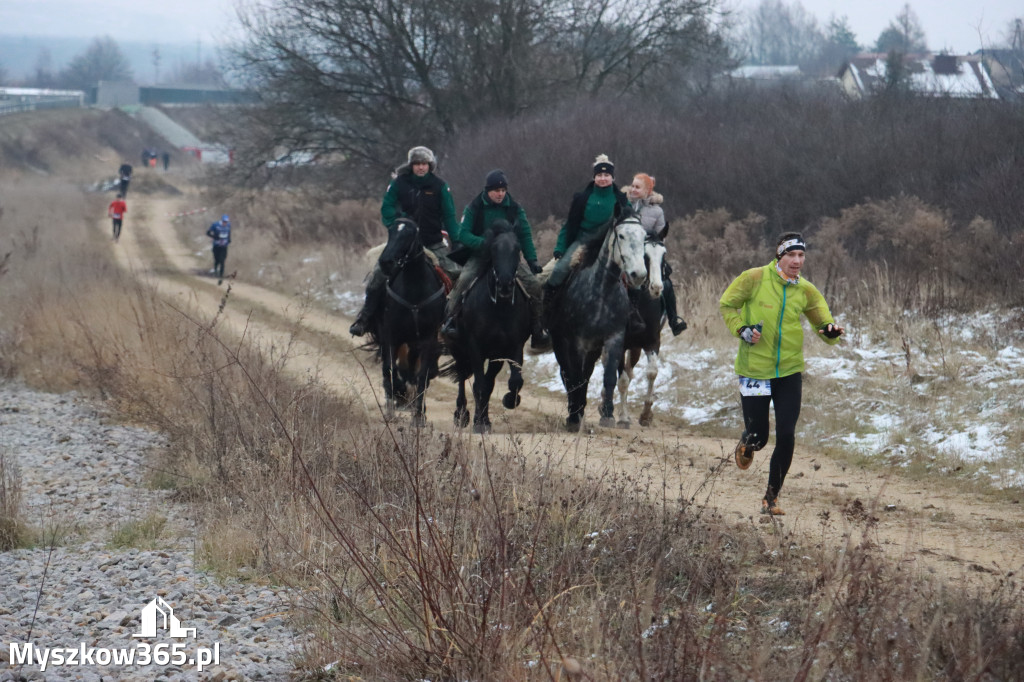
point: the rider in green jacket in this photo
(763, 307)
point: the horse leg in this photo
(647, 415)
(625, 379)
(483, 386)
(575, 377)
(515, 383)
(461, 413)
(612, 356)
(422, 365)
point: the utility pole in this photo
(156, 65)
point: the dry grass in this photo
(422, 556)
(13, 531)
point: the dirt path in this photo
(932, 529)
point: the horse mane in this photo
(588, 252)
(496, 229)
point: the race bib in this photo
(752, 387)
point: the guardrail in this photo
(12, 107)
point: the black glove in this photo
(535, 267)
(831, 331)
(557, 255)
(747, 333)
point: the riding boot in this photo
(541, 339)
(668, 300)
(373, 302)
(449, 331)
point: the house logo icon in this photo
(157, 614)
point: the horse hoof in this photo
(622, 425)
(607, 421)
(647, 421)
(511, 400)
(481, 428)
(461, 419)
(571, 426)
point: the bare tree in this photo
(42, 73)
(780, 33)
(102, 60)
(369, 78)
(903, 34)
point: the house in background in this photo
(929, 75)
(1006, 68)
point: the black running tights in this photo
(786, 396)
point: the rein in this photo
(415, 307)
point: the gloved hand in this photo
(832, 331)
(747, 334)
(535, 267)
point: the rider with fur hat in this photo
(419, 195)
(495, 203)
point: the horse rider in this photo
(600, 201)
(496, 203)
(646, 204)
(419, 195)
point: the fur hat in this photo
(603, 165)
(422, 155)
(495, 180)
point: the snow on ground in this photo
(957, 404)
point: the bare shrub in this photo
(13, 531)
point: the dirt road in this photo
(929, 528)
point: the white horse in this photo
(648, 304)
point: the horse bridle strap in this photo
(415, 307)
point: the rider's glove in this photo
(535, 267)
(558, 254)
(831, 331)
(747, 333)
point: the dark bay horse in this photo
(648, 303)
(495, 325)
(589, 316)
(405, 331)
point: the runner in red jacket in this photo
(116, 212)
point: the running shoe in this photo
(771, 507)
(744, 454)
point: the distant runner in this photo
(116, 212)
(124, 175)
(220, 233)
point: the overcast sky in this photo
(961, 27)
(954, 25)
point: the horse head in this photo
(627, 249)
(654, 253)
(404, 245)
(502, 245)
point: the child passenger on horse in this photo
(419, 195)
(495, 203)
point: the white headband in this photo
(790, 244)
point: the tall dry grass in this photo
(417, 555)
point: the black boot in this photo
(449, 331)
(668, 300)
(374, 299)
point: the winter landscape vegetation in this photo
(222, 446)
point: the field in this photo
(531, 553)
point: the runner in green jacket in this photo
(762, 307)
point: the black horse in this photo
(405, 330)
(494, 327)
(647, 301)
(589, 316)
